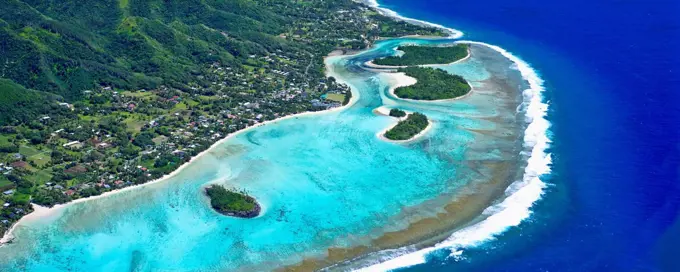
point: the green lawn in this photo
(192, 102)
(40, 159)
(135, 122)
(336, 97)
(145, 95)
(88, 117)
(40, 177)
(5, 138)
(181, 106)
(5, 184)
(28, 151)
(160, 139)
(32, 154)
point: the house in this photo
(103, 145)
(56, 132)
(8, 192)
(131, 106)
(69, 192)
(73, 145)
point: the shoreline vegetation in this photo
(232, 203)
(425, 55)
(43, 212)
(432, 84)
(397, 113)
(414, 124)
(106, 127)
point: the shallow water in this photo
(324, 181)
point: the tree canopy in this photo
(406, 129)
(419, 55)
(433, 84)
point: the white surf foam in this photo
(520, 196)
(453, 33)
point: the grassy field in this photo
(5, 139)
(192, 102)
(143, 95)
(336, 97)
(88, 117)
(181, 106)
(28, 151)
(40, 159)
(40, 177)
(160, 139)
(134, 121)
(5, 184)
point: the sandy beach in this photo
(402, 80)
(370, 63)
(381, 134)
(386, 112)
(41, 212)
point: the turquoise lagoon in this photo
(324, 181)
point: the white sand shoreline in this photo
(402, 80)
(385, 111)
(381, 134)
(370, 63)
(43, 212)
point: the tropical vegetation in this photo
(406, 129)
(397, 113)
(433, 84)
(230, 202)
(102, 95)
(420, 55)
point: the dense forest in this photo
(406, 129)
(420, 55)
(232, 203)
(397, 113)
(101, 95)
(433, 84)
(64, 47)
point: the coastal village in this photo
(113, 138)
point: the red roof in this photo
(19, 164)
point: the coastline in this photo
(515, 203)
(464, 233)
(453, 33)
(43, 212)
(381, 134)
(372, 65)
(384, 111)
(402, 80)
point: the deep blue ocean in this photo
(612, 72)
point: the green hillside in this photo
(65, 47)
(99, 95)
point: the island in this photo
(116, 95)
(414, 124)
(422, 55)
(397, 113)
(432, 84)
(232, 203)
